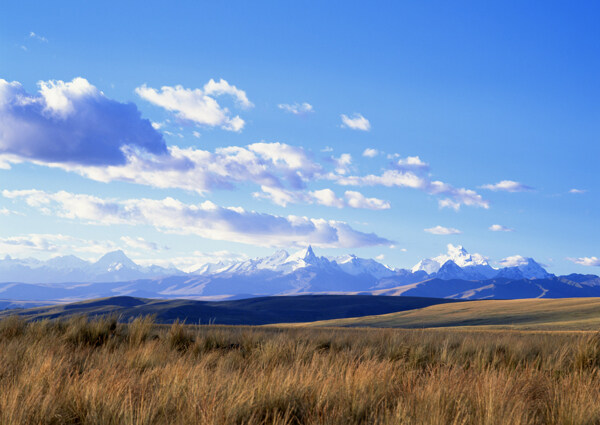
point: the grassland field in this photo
(100, 371)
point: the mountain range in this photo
(456, 274)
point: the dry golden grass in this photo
(103, 372)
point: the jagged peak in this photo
(305, 254)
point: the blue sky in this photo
(449, 100)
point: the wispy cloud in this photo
(206, 219)
(500, 228)
(578, 191)
(38, 37)
(508, 186)
(199, 105)
(139, 243)
(417, 179)
(586, 261)
(440, 230)
(355, 122)
(297, 108)
(47, 243)
(326, 197)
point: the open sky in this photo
(192, 131)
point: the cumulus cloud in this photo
(205, 219)
(411, 162)
(514, 261)
(440, 230)
(500, 228)
(297, 108)
(270, 164)
(586, 261)
(342, 163)
(356, 122)
(199, 105)
(72, 123)
(578, 191)
(370, 153)
(507, 186)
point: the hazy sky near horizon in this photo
(193, 131)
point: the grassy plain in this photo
(529, 314)
(99, 371)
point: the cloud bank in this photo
(205, 219)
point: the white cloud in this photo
(326, 197)
(38, 37)
(500, 228)
(358, 200)
(223, 87)
(356, 122)
(380, 257)
(269, 164)
(507, 186)
(196, 134)
(411, 162)
(342, 163)
(513, 261)
(205, 219)
(297, 108)
(586, 261)
(199, 105)
(327, 149)
(440, 230)
(370, 153)
(39, 243)
(71, 123)
(139, 243)
(578, 191)
(411, 179)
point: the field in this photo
(530, 314)
(100, 371)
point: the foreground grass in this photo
(102, 372)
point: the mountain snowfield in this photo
(456, 274)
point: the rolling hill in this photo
(525, 314)
(250, 311)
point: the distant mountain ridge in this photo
(456, 274)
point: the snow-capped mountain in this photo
(457, 263)
(456, 274)
(112, 267)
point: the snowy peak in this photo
(307, 255)
(355, 266)
(518, 267)
(455, 253)
(114, 261)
